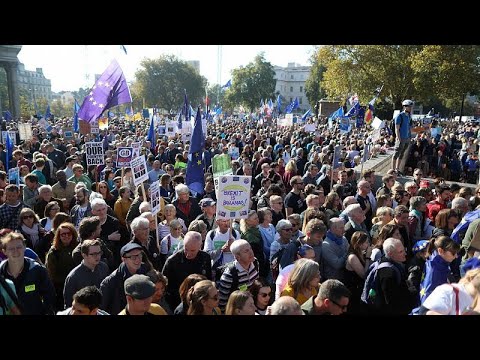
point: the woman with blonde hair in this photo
(59, 260)
(290, 171)
(240, 302)
(383, 216)
(303, 281)
(170, 215)
(203, 299)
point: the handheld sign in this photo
(233, 197)
(155, 197)
(124, 156)
(14, 176)
(94, 151)
(139, 170)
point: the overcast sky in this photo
(67, 65)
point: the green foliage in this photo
(162, 82)
(313, 88)
(251, 83)
(432, 75)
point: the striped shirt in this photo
(245, 278)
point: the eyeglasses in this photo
(100, 253)
(28, 216)
(418, 174)
(134, 257)
(265, 294)
(287, 229)
(343, 307)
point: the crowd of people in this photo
(318, 238)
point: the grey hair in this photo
(416, 201)
(144, 206)
(389, 245)
(146, 214)
(283, 224)
(139, 222)
(459, 202)
(95, 195)
(351, 209)
(286, 305)
(347, 200)
(170, 206)
(237, 246)
(43, 188)
(96, 202)
(182, 189)
(192, 236)
(409, 184)
(336, 222)
(333, 289)
(384, 210)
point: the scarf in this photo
(32, 233)
(336, 239)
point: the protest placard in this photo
(234, 152)
(14, 176)
(155, 197)
(94, 128)
(221, 165)
(68, 133)
(233, 197)
(84, 127)
(94, 152)
(139, 170)
(25, 131)
(124, 156)
(310, 127)
(136, 149)
(171, 128)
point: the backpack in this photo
(234, 271)
(275, 262)
(371, 290)
(393, 126)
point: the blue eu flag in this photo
(195, 172)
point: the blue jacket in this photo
(35, 291)
(436, 273)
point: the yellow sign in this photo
(29, 288)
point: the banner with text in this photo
(139, 169)
(94, 151)
(233, 197)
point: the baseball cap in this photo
(139, 287)
(420, 245)
(129, 247)
(207, 202)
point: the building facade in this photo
(291, 84)
(35, 83)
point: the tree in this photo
(252, 83)
(449, 72)
(362, 68)
(162, 82)
(313, 88)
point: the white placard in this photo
(377, 123)
(94, 152)
(124, 156)
(94, 128)
(25, 131)
(139, 170)
(136, 149)
(233, 197)
(171, 128)
(234, 152)
(310, 127)
(155, 197)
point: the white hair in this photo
(146, 214)
(96, 202)
(43, 188)
(95, 195)
(459, 202)
(182, 189)
(144, 206)
(351, 209)
(237, 246)
(139, 222)
(389, 245)
(336, 222)
(192, 236)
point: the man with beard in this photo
(63, 189)
(82, 208)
